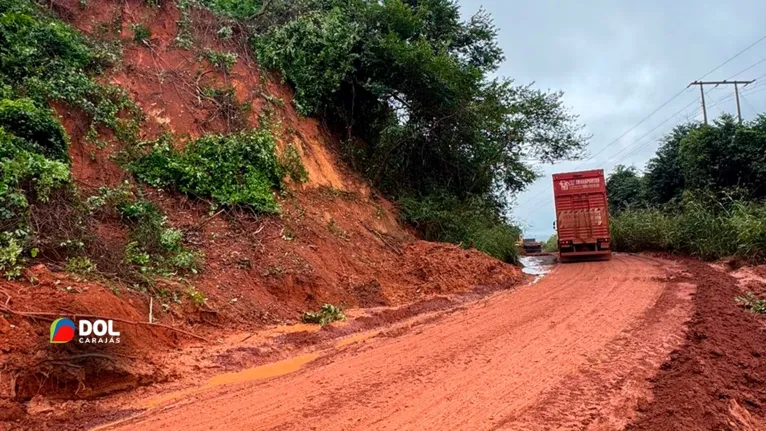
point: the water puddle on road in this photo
(537, 265)
(275, 369)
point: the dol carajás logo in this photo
(62, 331)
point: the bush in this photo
(552, 244)
(24, 176)
(293, 165)
(36, 126)
(153, 248)
(236, 169)
(80, 265)
(221, 60)
(327, 314)
(141, 33)
(471, 224)
(704, 227)
(642, 230)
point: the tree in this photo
(625, 189)
(406, 85)
(664, 177)
(725, 156)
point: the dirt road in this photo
(572, 351)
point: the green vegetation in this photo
(327, 314)
(221, 60)
(702, 194)
(700, 226)
(242, 9)
(153, 248)
(225, 32)
(236, 169)
(293, 165)
(43, 60)
(36, 126)
(80, 265)
(552, 244)
(408, 86)
(19, 168)
(473, 223)
(141, 33)
(750, 301)
(197, 298)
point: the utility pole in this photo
(702, 84)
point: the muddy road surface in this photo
(572, 351)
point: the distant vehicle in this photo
(531, 245)
(582, 215)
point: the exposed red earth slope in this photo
(259, 270)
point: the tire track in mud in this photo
(572, 351)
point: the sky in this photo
(617, 61)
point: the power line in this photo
(750, 67)
(660, 107)
(649, 132)
(534, 200)
(717, 83)
(749, 104)
(733, 57)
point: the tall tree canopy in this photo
(407, 84)
(723, 158)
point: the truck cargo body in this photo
(582, 215)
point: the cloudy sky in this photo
(620, 60)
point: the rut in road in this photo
(571, 352)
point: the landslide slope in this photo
(334, 239)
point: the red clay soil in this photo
(31, 365)
(717, 380)
(335, 241)
(573, 351)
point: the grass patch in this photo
(752, 303)
(327, 314)
(704, 227)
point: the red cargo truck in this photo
(582, 215)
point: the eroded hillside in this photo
(187, 82)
